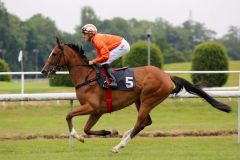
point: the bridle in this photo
(55, 66)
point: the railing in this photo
(170, 72)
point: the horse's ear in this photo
(58, 43)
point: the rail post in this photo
(239, 110)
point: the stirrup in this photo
(105, 84)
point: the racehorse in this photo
(152, 87)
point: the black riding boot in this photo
(113, 83)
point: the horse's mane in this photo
(79, 50)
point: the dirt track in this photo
(142, 134)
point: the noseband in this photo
(55, 66)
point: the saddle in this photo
(124, 77)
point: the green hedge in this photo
(138, 55)
(210, 56)
(4, 68)
(60, 80)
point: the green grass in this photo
(48, 118)
(32, 87)
(178, 148)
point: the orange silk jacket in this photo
(103, 43)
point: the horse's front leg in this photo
(83, 110)
(93, 118)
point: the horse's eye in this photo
(54, 54)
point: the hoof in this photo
(114, 133)
(114, 150)
(81, 139)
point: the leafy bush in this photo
(4, 68)
(138, 55)
(60, 80)
(210, 56)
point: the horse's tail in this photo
(181, 83)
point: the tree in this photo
(210, 56)
(88, 16)
(12, 38)
(117, 26)
(41, 32)
(139, 53)
(197, 32)
(4, 24)
(232, 42)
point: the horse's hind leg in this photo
(93, 118)
(143, 120)
(148, 120)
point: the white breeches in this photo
(118, 52)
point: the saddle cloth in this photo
(124, 76)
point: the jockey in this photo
(108, 48)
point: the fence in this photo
(170, 72)
(215, 92)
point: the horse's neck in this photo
(78, 74)
(77, 68)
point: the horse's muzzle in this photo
(49, 73)
(44, 72)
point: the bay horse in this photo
(152, 87)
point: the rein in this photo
(87, 81)
(80, 65)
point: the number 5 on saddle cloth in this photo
(124, 77)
